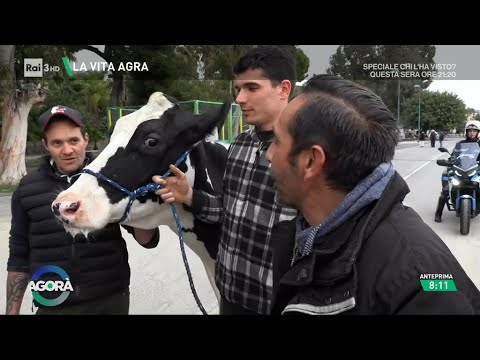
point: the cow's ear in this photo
(172, 99)
(204, 124)
(214, 118)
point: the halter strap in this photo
(143, 190)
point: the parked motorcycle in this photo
(463, 171)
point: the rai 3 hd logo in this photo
(34, 67)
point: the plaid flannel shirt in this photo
(248, 210)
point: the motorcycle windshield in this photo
(466, 155)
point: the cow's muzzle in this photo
(65, 210)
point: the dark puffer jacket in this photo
(97, 266)
(371, 265)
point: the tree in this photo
(167, 64)
(438, 110)
(17, 98)
(114, 54)
(473, 114)
(175, 70)
(215, 63)
(14, 132)
(302, 61)
(95, 92)
(218, 60)
(350, 62)
(89, 93)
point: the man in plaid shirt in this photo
(264, 79)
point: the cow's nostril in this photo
(55, 209)
(65, 209)
(73, 207)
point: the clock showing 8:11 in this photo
(437, 282)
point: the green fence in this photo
(233, 125)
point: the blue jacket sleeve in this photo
(18, 259)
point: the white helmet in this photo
(472, 124)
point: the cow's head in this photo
(143, 144)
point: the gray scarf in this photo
(366, 191)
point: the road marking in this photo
(421, 166)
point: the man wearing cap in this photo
(97, 266)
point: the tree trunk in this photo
(14, 141)
(14, 133)
(6, 57)
(117, 96)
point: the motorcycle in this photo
(463, 171)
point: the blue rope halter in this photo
(143, 190)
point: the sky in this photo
(464, 58)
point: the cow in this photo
(143, 144)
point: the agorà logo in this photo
(36, 285)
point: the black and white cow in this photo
(143, 144)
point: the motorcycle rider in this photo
(472, 130)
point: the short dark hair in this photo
(276, 63)
(355, 128)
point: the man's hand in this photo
(176, 188)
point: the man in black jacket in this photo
(355, 248)
(70, 275)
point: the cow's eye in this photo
(151, 142)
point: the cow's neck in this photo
(148, 216)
